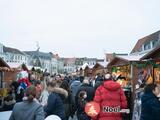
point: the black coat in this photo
(150, 107)
(55, 104)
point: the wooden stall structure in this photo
(125, 69)
(4, 67)
(98, 68)
(87, 71)
(153, 58)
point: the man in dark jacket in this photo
(55, 103)
(150, 103)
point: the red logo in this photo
(92, 109)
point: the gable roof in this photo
(153, 36)
(12, 50)
(126, 59)
(70, 61)
(3, 63)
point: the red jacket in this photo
(110, 96)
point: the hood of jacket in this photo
(111, 85)
(60, 91)
(11, 102)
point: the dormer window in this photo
(154, 43)
(147, 46)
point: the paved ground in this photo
(5, 115)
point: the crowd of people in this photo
(66, 96)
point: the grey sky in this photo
(77, 27)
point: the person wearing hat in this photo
(29, 109)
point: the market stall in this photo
(3, 68)
(98, 68)
(125, 71)
(153, 58)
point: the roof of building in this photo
(39, 54)
(131, 57)
(69, 60)
(12, 50)
(3, 63)
(14, 65)
(148, 55)
(104, 64)
(153, 36)
(128, 58)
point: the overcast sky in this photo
(77, 28)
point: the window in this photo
(154, 43)
(147, 46)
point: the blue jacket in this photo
(150, 107)
(55, 104)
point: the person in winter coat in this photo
(67, 101)
(55, 103)
(18, 96)
(29, 109)
(85, 94)
(150, 103)
(74, 88)
(110, 96)
(9, 103)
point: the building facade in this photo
(13, 55)
(44, 61)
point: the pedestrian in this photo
(111, 99)
(150, 103)
(74, 88)
(85, 94)
(55, 103)
(67, 101)
(15, 92)
(9, 103)
(29, 109)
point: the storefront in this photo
(153, 58)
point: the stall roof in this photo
(126, 59)
(104, 64)
(131, 57)
(14, 65)
(84, 66)
(3, 63)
